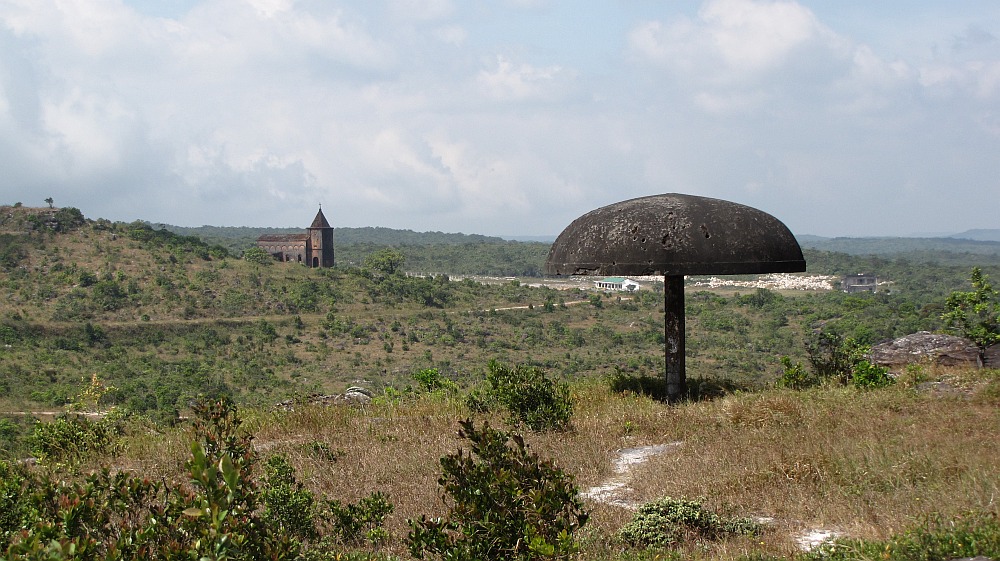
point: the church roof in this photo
(320, 221)
(283, 238)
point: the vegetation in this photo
(975, 315)
(667, 522)
(257, 256)
(529, 397)
(114, 336)
(507, 504)
(973, 534)
(835, 360)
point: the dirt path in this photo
(615, 490)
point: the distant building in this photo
(861, 282)
(312, 249)
(616, 283)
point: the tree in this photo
(386, 261)
(49, 201)
(257, 255)
(68, 218)
(975, 314)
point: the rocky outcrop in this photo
(925, 348)
(352, 396)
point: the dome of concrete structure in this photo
(675, 234)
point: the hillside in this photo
(953, 250)
(456, 254)
(164, 316)
(149, 323)
(982, 234)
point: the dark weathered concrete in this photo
(673, 334)
(675, 235)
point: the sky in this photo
(503, 117)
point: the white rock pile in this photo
(776, 281)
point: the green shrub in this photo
(527, 394)
(670, 522)
(257, 256)
(846, 362)
(795, 376)
(830, 356)
(871, 376)
(14, 506)
(356, 523)
(221, 513)
(70, 439)
(287, 505)
(13, 431)
(431, 380)
(975, 315)
(505, 503)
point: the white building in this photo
(616, 283)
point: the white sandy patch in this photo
(611, 491)
(816, 537)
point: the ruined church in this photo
(312, 249)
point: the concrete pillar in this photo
(673, 325)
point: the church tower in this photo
(320, 242)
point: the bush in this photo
(431, 380)
(14, 507)
(287, 505)
(669, 522)
(868, 376)
(506, 503)
(830, 356)
(843, 360)
(975, 315)
(119, 516)
(362, 521)
(257, 256)
(529, 397)
(794, 376)
(69, 438)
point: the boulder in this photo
(354, 395)
(925, 348)
(992, 359)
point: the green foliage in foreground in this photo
(506, 504)
(224, 512)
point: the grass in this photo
(870, 465)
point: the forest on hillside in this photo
(464, 254)
(165, 316)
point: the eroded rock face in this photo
(925, 348)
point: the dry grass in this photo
(867, 464)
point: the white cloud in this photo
(421, 10)
(750, 35)
(518, 82)
(401, 113)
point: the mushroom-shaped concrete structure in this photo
(675, 235)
